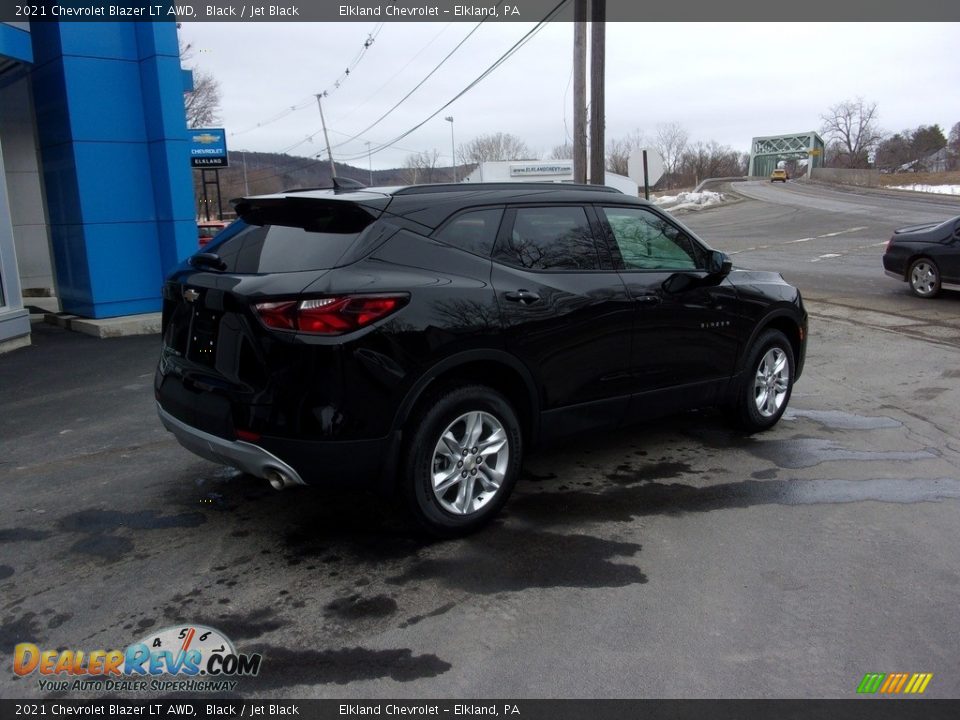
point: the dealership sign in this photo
(208, 148)
(541, 169)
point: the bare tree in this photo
(496, 146)
(953, 147)
(671, 142)
(561, 152)
(619, 151)
(852, 125)
(421, 167)
(710, 159)
(202, 104)
(953, 140)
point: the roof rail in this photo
(516, 186)
(302, 189)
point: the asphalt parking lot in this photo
(672, 560)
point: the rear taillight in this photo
(328, 316)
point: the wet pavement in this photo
(680, 559)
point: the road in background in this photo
(828, 242)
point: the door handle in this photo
(524, 297)
(649, 299)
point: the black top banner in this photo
(502, 709)
(449, 11)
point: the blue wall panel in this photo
(109, 103)
(111, 40)
(50, 104)
(94, 83)
(113, 248)
(60, 182)
(70, 260)
(119, 182)
(15, 43)
(161, 80)
(153, 39)
(45, 39)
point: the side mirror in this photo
(719, 264)
(680, 282)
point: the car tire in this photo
(767, 383)
(462, 461)
(924, 278)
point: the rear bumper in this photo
(349, 464)
(894, 275)
(242, 455)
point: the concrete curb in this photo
(147, 324)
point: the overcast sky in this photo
(726, 82)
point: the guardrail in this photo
(707, 181)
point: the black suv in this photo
(423, 338)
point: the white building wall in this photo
(560, 171)
(21, 167)
(14, 322)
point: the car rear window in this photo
(290, 235)
(474, 231)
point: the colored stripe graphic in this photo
(895, 683)
(870, 683)
(918, 683)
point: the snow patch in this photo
(689, 200)
(940, 189)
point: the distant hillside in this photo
(273, 172)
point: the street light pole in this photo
(370, 162)
(453, 147)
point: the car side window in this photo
(649, 242)
(549, 238)
(474, 231)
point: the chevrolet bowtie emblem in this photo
(190, 295)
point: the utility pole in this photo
(598, 30)
(370, 162)
(243, 159)
(453, 147)
(580, 91)
(333, 170)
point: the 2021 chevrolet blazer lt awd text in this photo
(422, 339)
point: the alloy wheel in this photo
(771, 382)
(923, 278)
(470, 461)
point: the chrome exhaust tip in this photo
(277, 480)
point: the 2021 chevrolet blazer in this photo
(421, 339)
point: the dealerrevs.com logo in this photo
(191, 658)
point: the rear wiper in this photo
(209, 259)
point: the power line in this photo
(309, 138)
(356, 60)
(279, 116)
(393, 77)
(307, 102)
(392, 143)
(502, 59)
(417, 87)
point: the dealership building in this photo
(96, 195)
